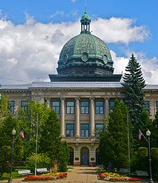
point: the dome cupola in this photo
(85, 23)
(85, 54)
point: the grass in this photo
(6, 176)
(15, 174)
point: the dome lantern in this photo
(85, 23)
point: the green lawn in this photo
(15, 174)
(6, 176)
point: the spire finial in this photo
(85, 5)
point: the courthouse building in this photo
(82, 93)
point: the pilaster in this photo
(92, 116)
(77, 108)
(63, 117)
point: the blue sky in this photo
(54, 13)
(143, 11)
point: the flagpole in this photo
(36, 144)
(129, 155)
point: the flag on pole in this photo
(140, 135)
(22, 134)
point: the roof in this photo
(85, 17)
(71, 85)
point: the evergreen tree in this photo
(114, 142)
(154, 130)
(145, 124)
(134, 94)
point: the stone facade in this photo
(84, 148)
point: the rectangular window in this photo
(70, 107)
(99, 107)
(11, 106)
(84, 107)
(56, 106)
(84, 130)
(156, 105)
(70, 130)
(24, 105)
(111, 105)
(98, 128)
(147, 106)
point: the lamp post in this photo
(36, 145)
(13, 133)
(129, 155)
(148, 133)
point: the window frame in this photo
(70, 109)
(156, 105)
(11, 107)
(71, 130)
(84, 109)
(56, 108)
(24, 108)
(84, 133)
(111, 106)
(98, 130)
(99, 107)
(146, 106)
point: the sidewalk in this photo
(78, 175)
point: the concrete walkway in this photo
(78, 175)
(83, 175)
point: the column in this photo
(63, 117)
(48, 103)
(77, 108)
(106, 107)
(92, 117)
(152, 108)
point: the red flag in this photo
(22, 133)
(140, 134)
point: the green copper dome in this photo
(85, 54)
(85, 17)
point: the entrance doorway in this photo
(98, 162)
(71, 156)
(84, 156)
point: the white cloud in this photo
(63, 14)
(120, 30)
(31, 50)
(149, 66)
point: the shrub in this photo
(154, 154)
(43, 161)
(140, 160)
(63, 157)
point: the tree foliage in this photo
(50, 144)
(134, 94)
(4, 107)
(114, 142)
(63, 156)
(154, 130)
(42, 161)
(30, 120)
(145, 124)
(6, 140)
